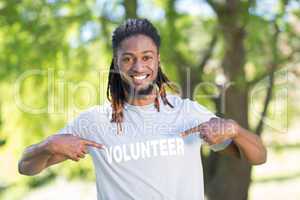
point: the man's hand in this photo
(70, 146)
(215, 130)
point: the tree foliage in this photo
(66, 47)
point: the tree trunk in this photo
(130, 8)
(235, 174)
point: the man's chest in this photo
(149, 136)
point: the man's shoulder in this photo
(101, 110)
(174, 99)
(186, 103)
(177, 100)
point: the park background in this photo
(240, 58)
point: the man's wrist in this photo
(46, 146)
(236, 130)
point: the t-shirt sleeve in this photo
(78, 126)
(204, 116)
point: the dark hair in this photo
(115, 87)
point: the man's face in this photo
(137, 58)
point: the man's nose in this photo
(138, 65)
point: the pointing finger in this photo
(93, 144)
(189, 131)
(202, 128)
(192, 130)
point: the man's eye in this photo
(126, 59)
(145, 58)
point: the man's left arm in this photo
(244, 143)
(247, 144)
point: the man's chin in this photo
(139, 91)
(144, 90)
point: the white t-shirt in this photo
(148, 160)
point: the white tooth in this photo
(140, 77)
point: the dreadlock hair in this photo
(115, 89)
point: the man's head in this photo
(135, 67)
(137, 59)
(136, 56)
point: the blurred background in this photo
(240, 58)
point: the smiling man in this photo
(145, 142)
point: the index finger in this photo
(192, 130)
(93, 144)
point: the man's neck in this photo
(142, 101)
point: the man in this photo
(144, 142)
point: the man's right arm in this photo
(35, 158)
(52, 150)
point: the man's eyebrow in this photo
(127, 53)
(148, 51)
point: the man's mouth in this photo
(140, 77)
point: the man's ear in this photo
(115, 60)
(116, 66)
